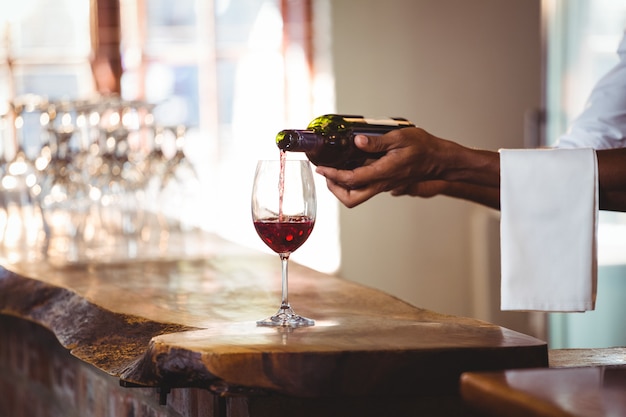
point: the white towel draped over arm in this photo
(549, 210)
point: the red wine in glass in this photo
(284, 234)
(283, 213)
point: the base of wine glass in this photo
(286, 317)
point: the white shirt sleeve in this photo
(602, 124)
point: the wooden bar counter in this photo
(188, 320)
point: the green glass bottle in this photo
(329, 139)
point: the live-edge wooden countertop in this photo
(188, 321)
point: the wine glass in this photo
(283, 212)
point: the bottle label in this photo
(383, 122)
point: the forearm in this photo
(471, 166)
(486, 196)
(470, 174)
(612, 179)
(475, 176)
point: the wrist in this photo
(474, 166)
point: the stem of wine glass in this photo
(284, 260)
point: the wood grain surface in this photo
(189, 320)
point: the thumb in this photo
(371, 144)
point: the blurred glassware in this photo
(64, 196)
(179, 183)
(89, 178)
(22, 228)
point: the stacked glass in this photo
(84, 179)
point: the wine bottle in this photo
(329, 140)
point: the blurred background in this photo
(232, 73)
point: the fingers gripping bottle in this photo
(329, 139)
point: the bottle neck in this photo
(298, 140)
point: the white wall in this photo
(465, 70)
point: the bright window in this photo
(236, 75)
(582, 46)
(234, 72)
(52, 60)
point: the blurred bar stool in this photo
(587, 391)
